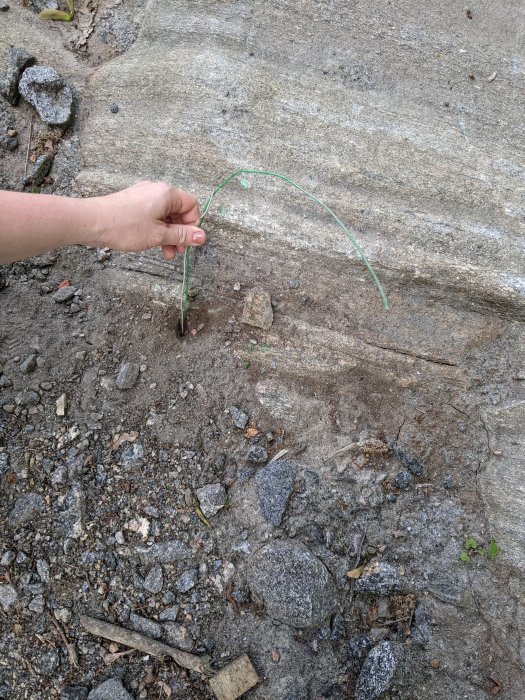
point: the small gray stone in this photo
(64, 294)
(19, 59)
(8, 596)
(294, 585)
(48, 662)
(154, 580)
(257, 310)
(42, 568)
(28, 398)
(169, 614)
(239, 418)
(47, 92)
(274, 485)
(7, 558)
(38, 171)
(164, 552)
(403, 480)
(377, 673)
(5, 382)
(178, 636)
(25, 509)
(37, 604)
(74, 692)
(257, 454)
(28, 365)
(4, 462)
(128, 375)
(379, 578)
(212, 498)
(132, 454)
(114, 108)
(145, 626)
(187, 580)
(110, 690)
(70, 519)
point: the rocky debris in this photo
(403, 481)
(240, 419)
(61, 404)
(377, 672)
(70, 519)
(145, 626)
(19, 60)
(47, 92)
(169, 614)
(110, 690)
(29, 364)
(164, 552)
(8, 596)
(234, 680)
(294, 585)
(212, 498)
(257, 455)
(38, 171)
(132, 455)
(257, 310)
(154, 580)
(187, 580)
(25, 509)
(178, 636)
(409, 462)
(274, 485)
(378, 578)
(48, 662)
(64, 294)
(74, 692)
(127, 375)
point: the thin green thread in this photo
(245, 171)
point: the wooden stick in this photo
(200, 664)
(71, 650)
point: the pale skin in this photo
(147, 215)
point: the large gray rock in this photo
(294, 585)
(47, 91)
(19, 59)
(274, 485)
(25, 509)
(111, 689)
(377, 672)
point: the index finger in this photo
(184, 205)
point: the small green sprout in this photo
(473, 548)
(492, 550)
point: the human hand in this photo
(149, 215)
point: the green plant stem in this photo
(247, 171)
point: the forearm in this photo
(31, 224)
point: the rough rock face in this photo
(377, 672)
(295, 586)
(19, 59)
(46, 90)
(274, 486)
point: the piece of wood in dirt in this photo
(234, 680)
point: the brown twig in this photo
(121, 635)
(71, 650)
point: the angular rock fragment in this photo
(47, 92)
(25, 509)
(234, 680)
(128, 375)
(294, 585)
(257, 310)
(64, 294)
(274, 485)
(19, 60)
(240, 419)
(379, 578)
(38, 172)
(70, 520)
(212, 498)
(186, 581)
(110, 690)
(154, 580)
(377, 672)
(8, 596)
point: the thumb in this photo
(183, 235)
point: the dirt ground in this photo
(115, 479)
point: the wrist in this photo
(90, 229)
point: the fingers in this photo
(181, 236)
(184, 205)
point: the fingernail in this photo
(198, 237)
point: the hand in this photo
(149, 215)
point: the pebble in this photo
(448, 482)
(28, 365)
(212, 498)
(114, 108)
(48, 662)
(19, 59)
(25, 509)
(70, 520)
(42, 568)
(37, 604)
(187, 580)
(257, 310)
(145, 626)
(7, 558)
(178, 636)
(4, 8)
(257, 454)
(74, 692)
(403, 480)
(164, 552)
(39, 170)
(377, 673)
(28, 398)
(239, 418)
(274, 485)
(110, 690)
(154, 580)
(169, 614)
(379, 578)
(127, 375)
(237, 287)
(61, 405)
(294, 585)
(132, 454)
(63, 294)
(8, 596)
(47, 92)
